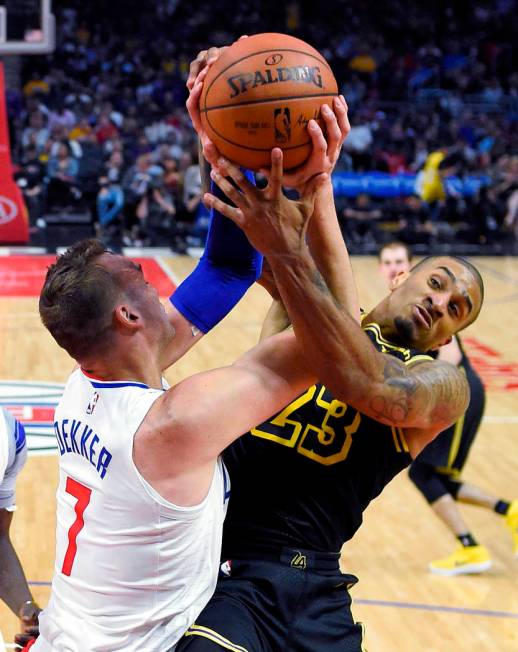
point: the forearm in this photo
(330, 253)
(228, 267)
(336, 348)
(276, 320)
(14, 590)
(431, 395)
(230, 401)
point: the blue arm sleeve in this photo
(228, 267)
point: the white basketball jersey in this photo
(133, 571)
(13, 454)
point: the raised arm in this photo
(186, 429)
(330, 254)
(324, 235)
(329, 251)
(229, 265)
(428, 396)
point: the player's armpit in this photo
(429, 395)
(194, 421)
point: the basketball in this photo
(260, 94)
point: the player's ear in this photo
(398, 279)
(126, 317)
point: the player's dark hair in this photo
(77, 299)
(396, 244)
(469, 266)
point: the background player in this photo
(14, 590)
(436, 472)
(326, 456)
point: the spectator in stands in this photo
(30, 179)
(61, 117)
(36, 134)
(110, 205)
(114, 166)
(60, 135)
(191, 186)
(91, 167)
(358, 145)
(415, 225)
(62, 171)
(106, 129)
(408, 97)
(156, 212)
(172, 177)
(360, 221)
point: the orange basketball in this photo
(260, 94)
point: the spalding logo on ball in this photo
(260, 94)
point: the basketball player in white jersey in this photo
(142, 493)
(14, 590)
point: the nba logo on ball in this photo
(282, 122)
(260, 94)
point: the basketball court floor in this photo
(404, 608)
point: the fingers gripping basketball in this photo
(260, 94)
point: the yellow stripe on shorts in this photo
(211, 635)
(363, 649)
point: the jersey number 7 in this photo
(83, 495)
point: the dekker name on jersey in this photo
(75, 436)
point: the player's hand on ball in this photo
(326, 148)
(210, 151)
(274, 224)
(197, 72)
(203, 61)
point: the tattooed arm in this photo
(329, 250)
(437, 388)
(428, 397)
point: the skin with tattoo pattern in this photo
(440, 297)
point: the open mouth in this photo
(422, 316)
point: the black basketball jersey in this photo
(304, 477)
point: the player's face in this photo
(434, 302)
(142, 296)
(392, 261)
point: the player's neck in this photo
(378, 315)
(117, 366)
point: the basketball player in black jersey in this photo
(302, 479)
(436, 471)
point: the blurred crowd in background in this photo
(100, 126)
